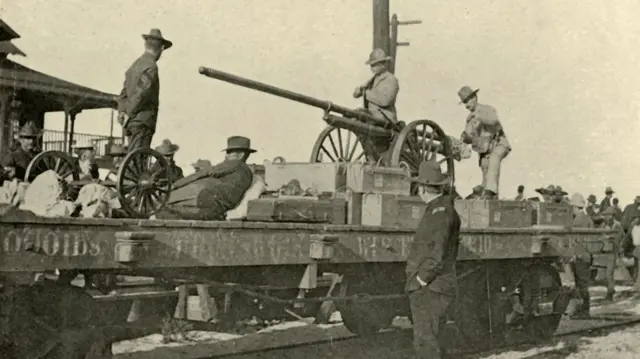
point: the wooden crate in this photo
(366, 178)
(494, 213)
(354, 206)
(383, 209)
(324, 177)
(298, 209)
(552, 214)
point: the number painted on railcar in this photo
(50, 243)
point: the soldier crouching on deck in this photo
(484, 132)
(431, 264)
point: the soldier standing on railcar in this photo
(431, 264)
(580, 265)
(140, 96)
(484, 132)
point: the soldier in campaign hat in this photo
(140, 96)
(168, 150)
(15, 163)
(484, 132)
(209, 193)
(580, 266)
(610, 222)
(87, 162)
(431, 279)
(117, 153)
(381, 90)
(606, 201)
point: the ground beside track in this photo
(395, 341)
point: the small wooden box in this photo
(550, 214)
(298, 209)
(324, 177)
(367, 178)
(494, 213)
(383, 209)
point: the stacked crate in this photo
(552, 214)
(324, 180)
(379, 196)
(478, 213)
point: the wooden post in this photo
(66, 130)
(71, 131)
(381, 25)
(5, 122)
(207, 307)
(183, 302)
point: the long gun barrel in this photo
(293, 96)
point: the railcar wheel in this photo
(543, 300)
(420, 141)
(60, 162)
(366, 317)
(339, 145)
(144, 182)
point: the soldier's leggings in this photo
(140, 136)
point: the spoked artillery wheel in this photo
(419, 141)
(60, 162)
(339, 145)
(144, 182)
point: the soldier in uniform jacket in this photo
(580, 265)
(431, 264)
(381, 91)
(168, 150)
(140, 96)
(609, 222)
(209, 193)
(485, 133)
(15, 163)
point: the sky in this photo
(563, 75)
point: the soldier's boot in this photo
(609, 297)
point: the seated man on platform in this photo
(209, 194)
(15, 163)
(87, 163)
(381, 90)
(168, 150)
(117, 154)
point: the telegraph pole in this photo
(385, 32)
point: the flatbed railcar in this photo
(502, 273)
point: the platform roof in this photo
(51, 92)
(6, 32)
(9, 48)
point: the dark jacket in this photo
(140, 95)
(435, 248)
(19, 159)
(220, 189)
(605, 203)
(630, 213)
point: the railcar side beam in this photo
(38, 244)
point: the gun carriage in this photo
(358, 136)
(143, 182)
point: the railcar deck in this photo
(30, 243)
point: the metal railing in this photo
(54, 141)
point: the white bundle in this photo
(43, 196)
(257, 188)
(97, 201)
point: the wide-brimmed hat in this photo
(637, 199)
(591, 198)
(577, 200)
(29, 130)
(239, 143)
(609, 190)
(117, 150)
(80, 149)
(477, 189)
(202, 164)
(558, 191)
(156, 34)
(465, 93)
(167, 148)
(430, 174)
(610, 211)
(376, 56)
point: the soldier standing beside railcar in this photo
(610, 222)
(484, 132)
(140, 96)
(580, 265)
(431, 264)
